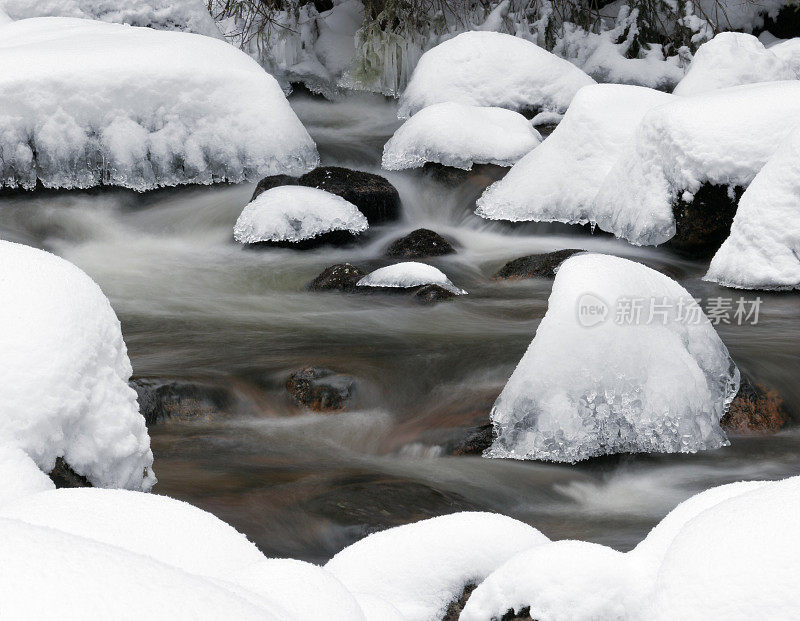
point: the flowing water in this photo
(195, 306)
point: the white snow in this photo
(408, 274)
(597, 379)
(458, 135)
(296, 213)
(65, 372)
(730, 59)
(789, 52)
(420, 568)
(20, 476)
(4, 17)
(558, 180)
(492, 69)
(87, 102)
(763, 249)
(721, 137)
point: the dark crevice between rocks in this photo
(331, 238)
(64, 476)
(704, 223)
(456, 607)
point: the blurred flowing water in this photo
(195, 306)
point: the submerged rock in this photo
(535, 265)
(476, 442)
(161, 400)
(339, 277)
(320, 389)
(418, 244)
(63, 475)
(431, 294)
(703, 224)
(755, 409)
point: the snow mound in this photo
(152, 109)
(598, 379)
(789, 52)
(20, 476)
(65, 372)
(492, 69)
(557, 181)
(562, 580)
(294, 213)
(763, 250)
(420, 568)
(723, 137)
(408, 274)
(186, 15)
(730, 59)
(457, 135)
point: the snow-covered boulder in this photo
(789, 52)
(5, 18)
(557, 181)
(408, 274)
(420, 568)
(722, 137)
(296, 214)
(601, 377)
(763, 250)
(88, 103)
(730, 59)
(492, 69)
(458, 135)
(20, 476)
(65, 373)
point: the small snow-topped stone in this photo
(408, 274)
(458, 135)
(492, 69)
(294, 214)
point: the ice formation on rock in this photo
(153, 108)
(601, 377)
(408, 274)
(294, 214)
(558, 180)
(458, 135)
(65, 372)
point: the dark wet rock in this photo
(703, 224)
(339, 277)
(275, 181)
(524, 614)
(756, 409)
(331, 238)
(535, 265)
(320, 389)
(456, 607)
(476, 442)
(431, 294)
(418, 244)
(64, 476)
(161, 400)
(446, 175)
(374, 196)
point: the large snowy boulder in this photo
(492, 69)
(87, 103)
(420, 568)
(65, 373)
(723, 137)
(557, 181)
(458, 135)
(763, 250)
(602, 377)
(407, 275)
(730, 59)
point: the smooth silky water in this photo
(195, 306)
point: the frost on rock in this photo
(420, 568)
(492, 69)
(597, 380)
(153, 109)
(557, 181)
(789, 52)
(20, 476)
(408, 274)
(722, 137)
(65, 372)
(457, 135)
(763, 250)
(294, 214)
(730, 59)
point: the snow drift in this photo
(408, 274)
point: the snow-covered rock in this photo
(294, 213)
(763, 250)
(557, 181)
(88, 103)
(458, 135)
(492, 69)
(420, 568)
(789, 52)
(722, 137)
(20, 476)
(65, 373)
(5, 18)
(599, 378)
(408, 274)
(730, 59)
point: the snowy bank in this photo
(65, 372)
(457, 135)
(408, 274)
(90, 103)
(600, 378)
(557, 181)
(492, 69)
